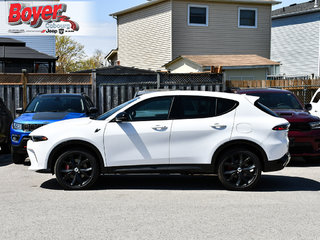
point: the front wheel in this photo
(17, 158)
(239, 169)
(76, 170)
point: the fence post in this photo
(224, 82)
(158, 80)
(24, 80)
(94, 86)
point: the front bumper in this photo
(276, 165)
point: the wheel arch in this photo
(59, 149)
(254, 147)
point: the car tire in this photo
(239, 169)
(76, 169)
(18, 158)
(6, 148)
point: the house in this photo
(154, 33)
(295, 38)
(15, 56)
(235, 67)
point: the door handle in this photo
(219, 126)
(160, 128)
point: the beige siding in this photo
(246, 74)
(183, 66)
(144, 37)
(222, 36)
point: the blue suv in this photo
(42, 110)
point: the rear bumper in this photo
(278, 164)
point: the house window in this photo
(198, 15)
(247, 18)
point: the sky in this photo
(105, 37)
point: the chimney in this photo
(316, 3)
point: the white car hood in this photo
(61, 126)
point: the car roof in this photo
(260, 90)
(232, 96)
(59, 94)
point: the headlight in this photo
(38, 138)
(17, 126)
(314, 125)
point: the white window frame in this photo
(207, 15)
(256, 15)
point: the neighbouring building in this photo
(235, 67)
(15, 56)
(154, 33)
(295, 38)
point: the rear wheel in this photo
(76, 170)
(239, 169)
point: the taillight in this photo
(283, 127)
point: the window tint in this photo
(198, 15)
(316, 98)
(225, 105)
(58, 103)
(247, 17)
(151, 109)
(189, 107)
(278, 100)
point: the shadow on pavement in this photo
(5, 159)
(268, 183)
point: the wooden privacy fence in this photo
(106, 90)
(17, 90)
(116, 89)
(304, 89)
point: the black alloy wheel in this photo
(76, 170)
(239, 169)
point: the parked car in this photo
(315, 104)
(42, 110)
(5, 122)
(171, 132)
(304, 131)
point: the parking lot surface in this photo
(285, 205)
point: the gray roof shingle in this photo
(295, 9)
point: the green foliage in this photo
(72, 57)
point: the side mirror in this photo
(122, 117)
(308, 106)
(19, 110)
(93, 110)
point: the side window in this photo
(225, 105)
(151, 109)
(189, 107)
(247, 18)
(316, 98)
(198, 15)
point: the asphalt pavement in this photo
(285, 205)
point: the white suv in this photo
(173, 132)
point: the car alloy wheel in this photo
(239, 169)
(76, 169)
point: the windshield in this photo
(278, 100)
(112, 111)
(58, 103)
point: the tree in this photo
(96, 61)
(70, 54)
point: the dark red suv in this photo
(304, 131)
